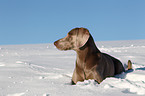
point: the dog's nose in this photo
(55, 43)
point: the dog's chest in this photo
(88, 74)
(86, 68)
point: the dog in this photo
(91, 63)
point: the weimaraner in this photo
(90, 63)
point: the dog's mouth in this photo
(60, 47)
(63, 48)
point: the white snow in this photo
(42, 70)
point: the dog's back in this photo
(117, 65)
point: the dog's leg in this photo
(98, 77)
(76, 77)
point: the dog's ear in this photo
(82, 37)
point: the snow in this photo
(42, 70)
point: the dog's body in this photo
(90, 63)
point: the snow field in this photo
(42, 70)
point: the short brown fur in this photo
(90, 63)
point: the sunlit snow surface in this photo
(42, 70)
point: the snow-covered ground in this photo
(42, 70)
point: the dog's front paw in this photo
(72, 83)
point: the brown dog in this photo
(90, 63)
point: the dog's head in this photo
(75, 39)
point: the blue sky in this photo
(44, 21)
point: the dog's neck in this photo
(89, 49)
